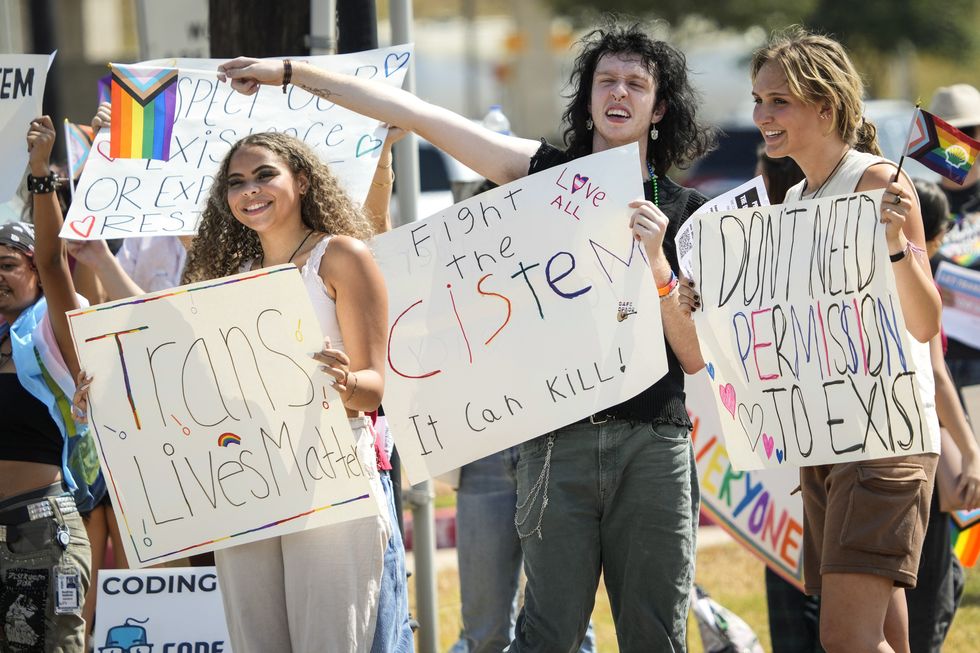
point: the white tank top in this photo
(844, 181)
(324, 306)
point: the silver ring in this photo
(898, 200)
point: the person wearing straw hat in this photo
(959, 105)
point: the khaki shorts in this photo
(866, 517)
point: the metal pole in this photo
(323, 26)
(419, 497)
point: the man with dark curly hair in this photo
(615, 493)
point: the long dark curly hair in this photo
(223, 243)
(682, 138)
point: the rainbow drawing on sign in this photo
(227, 439)
(143, 112)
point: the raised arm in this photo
(378, 200)
(50, 256)
(96, 256)
(497, 157)
(900, 212)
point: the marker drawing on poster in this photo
(214, 425)
(118, 198)
(518, 311)
(759, 509)
(803, 327)
(960, 288)
(22, 80)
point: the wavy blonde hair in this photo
(818, 70)
(223, 244)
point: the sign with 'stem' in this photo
(517, 312)
(120, 198)
(803, 335)
(214, 425)
(161, 610)
(22, 80)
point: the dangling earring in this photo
(588, 124)
(654, 134)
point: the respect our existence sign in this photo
(518, 311)
(214, 425)
(803, 334)
(119, 198)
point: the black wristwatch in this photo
(42, 185)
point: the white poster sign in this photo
(117, 198)
(215, 427)
(960, 288)
(803, 334)
(174, 610)
(518, 311)
(22, 79)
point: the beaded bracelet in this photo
(42, 185)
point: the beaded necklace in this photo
(656, 189)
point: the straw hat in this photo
(959, 105)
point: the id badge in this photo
(67, 590)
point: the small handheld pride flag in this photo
(78, 142)
(941, 147)
(143, 106)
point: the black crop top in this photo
(27, 432)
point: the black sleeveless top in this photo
(27, 432)
(662, 402)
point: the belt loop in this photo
(3, 533)
(596, 422)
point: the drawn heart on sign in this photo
(727, 394)
(105, 156)
(578, 182)
(768, 444)
(371, 144)
(748, 421)
(779, 455)
(397, 60)
(88, 221)
(711, 370)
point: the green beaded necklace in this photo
(656, 189)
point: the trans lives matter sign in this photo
(214, 425)
(119, 198)
(803, 334)
(517, 312)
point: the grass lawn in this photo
(734, 578)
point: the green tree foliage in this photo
(949, 28)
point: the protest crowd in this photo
(258, 297)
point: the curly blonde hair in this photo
(223, 244)
(817, 70)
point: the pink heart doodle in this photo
(727, 393)
(768, 444)
(102, 147)
(578, 182)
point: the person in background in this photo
(959, 105)
(47, 461)
(933, 602)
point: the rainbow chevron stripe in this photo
(941, 147)
(143, 106)
(966, 545)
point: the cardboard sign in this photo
(175, 610)
(803, 333)
(517, 312)
(214, 425)
(118, 198)
(960, 288)
(22, 79)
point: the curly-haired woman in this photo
(334, 588)
(622, 497)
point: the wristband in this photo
(287, 73)
(42, 185)
(668, 288)
(895, 258)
